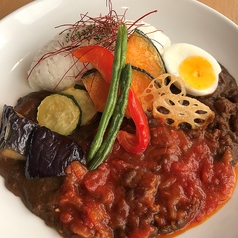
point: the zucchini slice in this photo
(60, 113)
(84, 101)
(143, 54)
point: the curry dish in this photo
(181, 178)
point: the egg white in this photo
(174, 55)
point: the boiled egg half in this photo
(198, 69)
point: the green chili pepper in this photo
(118, 64)
(116, 120)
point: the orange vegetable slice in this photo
(98, 88)
(142, 53)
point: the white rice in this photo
(59, 70)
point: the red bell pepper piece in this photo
(102, 59)
(135, 143)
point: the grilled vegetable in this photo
(50, 153)
(116, 120)
(47, 153)
(117, 65)
(98, 88)
(84, 101)
(15, 134)
(140, 80)
(142, 53)
(102, 59)
(59, 113)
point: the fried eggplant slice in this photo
(50, 153)
(15, 133)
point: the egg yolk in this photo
(197, 72)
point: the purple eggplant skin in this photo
(15, 131)
(50, 153)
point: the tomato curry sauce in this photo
(174, 183)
